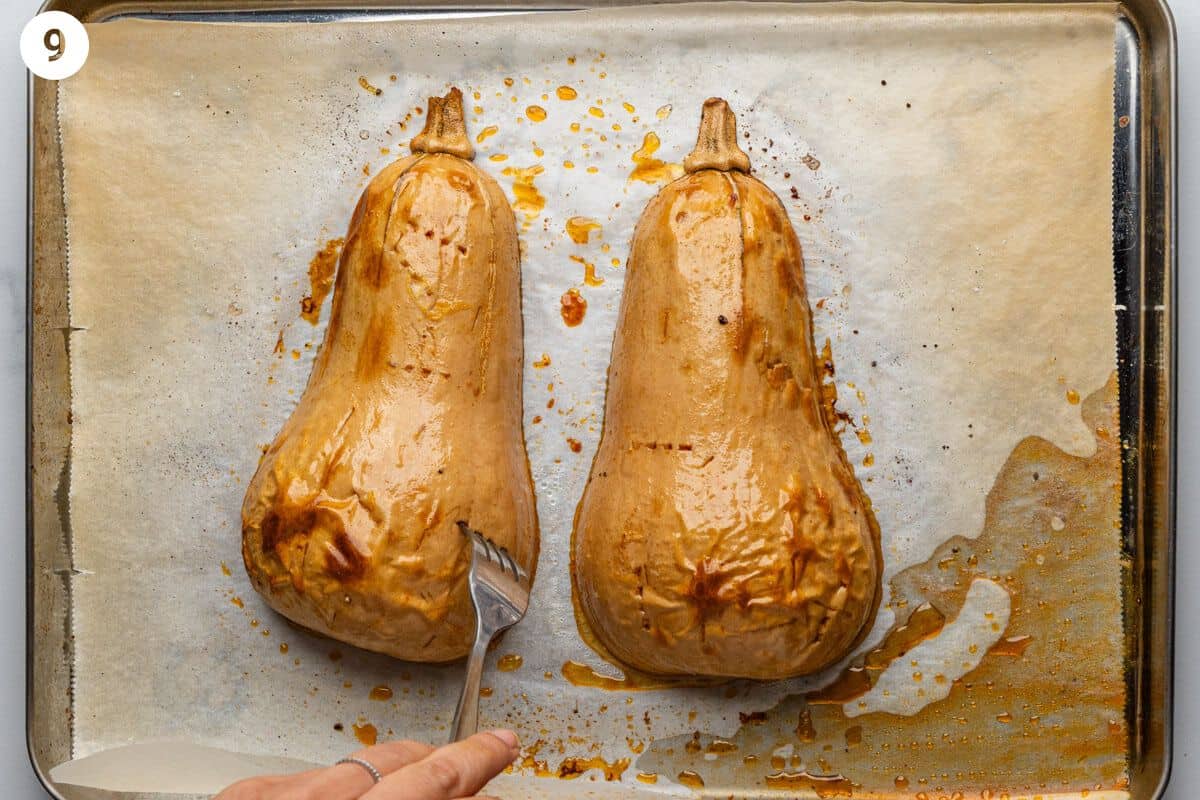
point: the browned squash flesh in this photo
(411, 419)
(722, 531)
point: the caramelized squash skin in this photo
(411, 419)
(722, 531)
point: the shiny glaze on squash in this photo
(722, 531)
(411, 419)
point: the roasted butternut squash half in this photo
(722, 531)
(411, 419)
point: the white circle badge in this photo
(54, 45)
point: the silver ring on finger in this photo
(375, 774)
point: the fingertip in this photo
(459, 769)
(509, 738)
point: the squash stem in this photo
(716, 144)
(445, 128)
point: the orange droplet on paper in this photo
(366, 734)
(580, 228)
(573, 309)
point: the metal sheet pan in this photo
(1144, 260)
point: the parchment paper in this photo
(947, 170)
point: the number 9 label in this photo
(54, 45)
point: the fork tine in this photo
(468, 534)
(477, 543)
(511, 565)
(493, 552)
(502, 556)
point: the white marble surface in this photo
(16, 778)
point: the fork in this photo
(500, 594)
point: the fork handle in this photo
(466, 715)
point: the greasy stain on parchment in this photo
(320, 279)
(527, 200)
(569, 768)
(1043, 712)
(649, 169)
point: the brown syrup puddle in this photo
(821, 785)
(570, 767)
(1043, 712)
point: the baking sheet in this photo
(951, 188)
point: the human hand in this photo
(410, 770)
